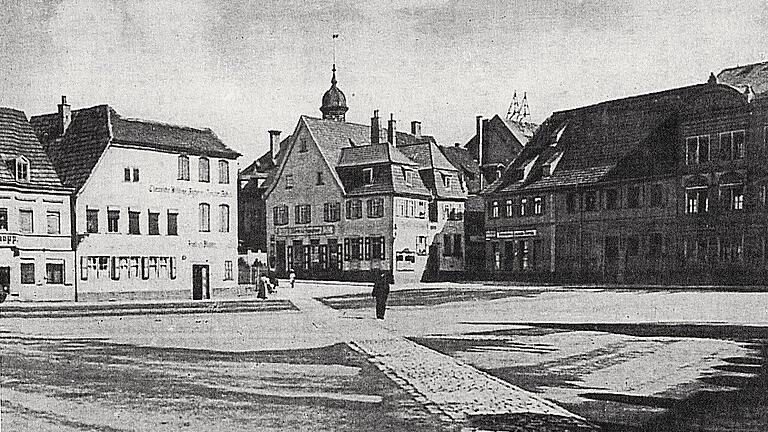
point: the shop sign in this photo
(490, 235)
(516, 234)
(306, 230)
(7, 240)
(188, 191)
(205, 244)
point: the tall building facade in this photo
(666, 187)
(154, 205)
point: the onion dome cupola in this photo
(334, 102)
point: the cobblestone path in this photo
(456, 391)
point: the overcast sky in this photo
(242, 67)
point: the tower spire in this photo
(333, 78)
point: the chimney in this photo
(479, 136)
(274, 143)
(457, 145)
(65, 115)
(392, 130)
(416, 129)
(375, 127)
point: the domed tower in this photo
(334, 102)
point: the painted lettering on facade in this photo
(306, 230)
(510, 234)
(7, 240)
(202, 244)
(189, 191)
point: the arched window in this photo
(183, 167)
(205, 217)
(205, 169)
(732, 191)
(22, 169)
(223, 218)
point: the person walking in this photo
(292, 278)
(380, 293)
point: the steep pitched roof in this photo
(595, 139)
(373, 154)
(462, 159)
(18, 139)
(91, 130)
(515, 133)
(754, 75)
(427, 155)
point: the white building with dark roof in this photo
(36, 257)
(155, 205)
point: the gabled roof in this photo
(91, 130)
(515, 133)
(17, 138)
(522, 130)
(462, 159)
(427, 155)
(596, 139)
(754, 75)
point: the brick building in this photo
(152, 204)
(36, 257)
(345, 199)
(661, 187)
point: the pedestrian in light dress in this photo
(380, 293)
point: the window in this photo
(303, 145)
(53, 222)
(446, 181)
(356, 249)
(205, 217)
(228, 270)
(633, 196)
(447, 245)
(135, 174)
(354, 209)
(733, 197)
(377, 248)
(224, 218)
(113, 219)
(54, 273)
(303, 214)
(173, 223)
(223, 172)
(280, 215)
(289, 181)
(408, 175)
(91, 220)
(154, 223)
(538, 206)
(4, 219)
(494, 210)
(732, 145)
(127, 174)
(204, 170)
(657, 195)
(523, 206)
(421, 245)
(133, 222)
(697, 200)
(28, 273)
(26, 224)
(697, 149)
(509, 208)
(590, 201)
(332, 212)
(183, 167)
(367, 176)
(611, 199)
(319, 178)
(22, 169)
(375, 207)
(570, 203)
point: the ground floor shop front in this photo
(36, 274)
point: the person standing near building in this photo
(380, 293)
(292, 278)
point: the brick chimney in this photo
(416, 129)
(274, 143)
(392, 130)
(375, 128)
(65, 115)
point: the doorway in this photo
(200, 289)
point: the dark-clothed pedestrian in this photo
(260, 283)
(380, 293)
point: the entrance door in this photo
(200, 289)
(5, 277)
(611, 257)
(279, 263)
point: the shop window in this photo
(53, 222)
(205, 217)
(27, 273)
(113, 221)
(375, 207)
(26, 221)
(223, 172)
(204, 170)
(173, 223)
(134, 226)
(153, 221)
(224, 218)
(183, 167)
(91, 220)
(228, 271)
(332, 212)
(4, 219)
(405, 260)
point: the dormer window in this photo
(22, 169)
(368, 176)
(447, 181)
(408, 174)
